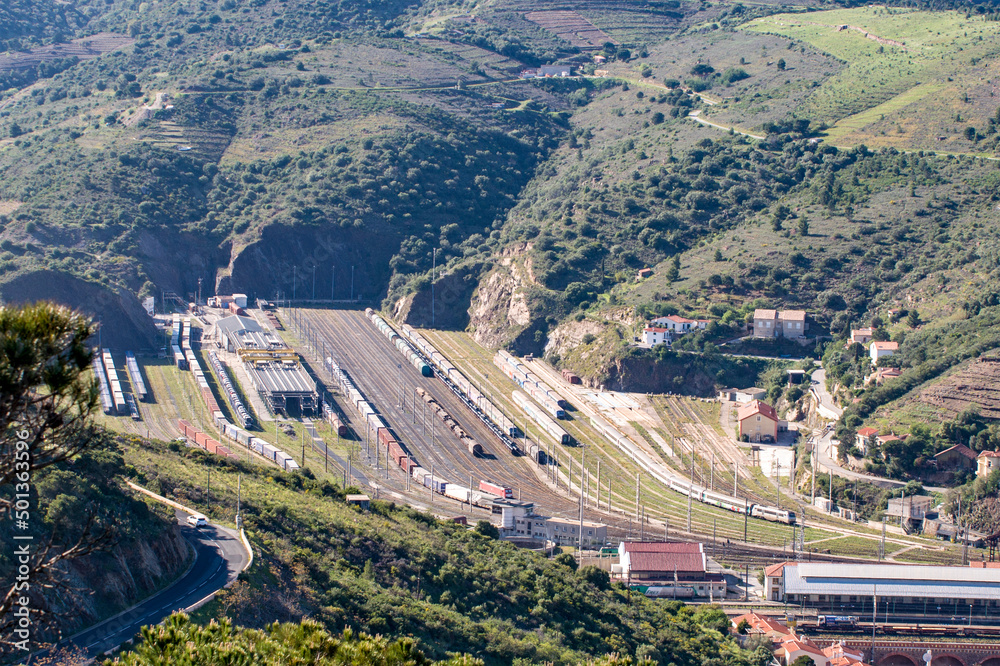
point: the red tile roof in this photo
(756, 407)
(667, 563)
(867, 432)
(776, 569)
(662, 547)
(765, 314)
(680, 320)
(886, 346)
(762, 624)
(960, 449)
(665, 557)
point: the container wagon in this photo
(570, 377)
(107, 405)
(135, 376)
(401, 344)
(550, 427)
(334, 420)
(471, 445)
(240, 411)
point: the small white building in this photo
(678, 325)
(654, 335)
(882, 349)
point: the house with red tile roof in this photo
(880, 349)
(986, 462)
(863, 439)
(758, 422)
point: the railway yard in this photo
(680, 437)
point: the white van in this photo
(197, 520)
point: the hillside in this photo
(832, 160)
(398, 572)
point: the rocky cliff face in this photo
(119, 578)
(500, 311)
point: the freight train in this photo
(503, 427)
(402, 457)
(402, 345)
(138, 385)
(474, 447)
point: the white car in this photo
(197, 520)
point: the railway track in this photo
(379, 371)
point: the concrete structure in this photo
(958, 458)
(861, 336)
(986, 462)
(758, 422)
(555, 70)
(775, 324)
(901, 589)
(644, 273)
(774, 581)
(911, 510)
(272, 366)
(519, 521)
(362, 501)
(653, 335)
(879, 350)
(658, 562)
(742, 395)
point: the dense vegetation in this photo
(399, 572)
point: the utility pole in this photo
(690, 492)
(637, 495)
(736, 478)
(711, 474)
(433, 278)
(208, 491)
(239, 519)
(599, 485)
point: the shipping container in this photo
(291, 465)
(268, 451)
(281, 458)
(224, 451)
(257, 445)
(211, 445)
(456, 492)
(200, 438)
(435, 483)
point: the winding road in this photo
(219, 558)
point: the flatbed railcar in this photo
(474, 447)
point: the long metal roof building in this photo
(892, 580)
(273, 367)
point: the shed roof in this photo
(960, 449)
(885, 346)
(900, 580)
(765, 314)
(792, 315)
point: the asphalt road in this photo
(220, 558)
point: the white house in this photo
(882, 349)
(654, 335)
(680, 325)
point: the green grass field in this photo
(909, 80)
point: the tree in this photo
(15, 130)
(804, 660)
(718, 255)
(781, 64)
(913, 318)
(702, 70)
(45, 408)
(804, 225)
(568, 560)
(487, 529)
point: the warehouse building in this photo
(272, 366)
(900, 588)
